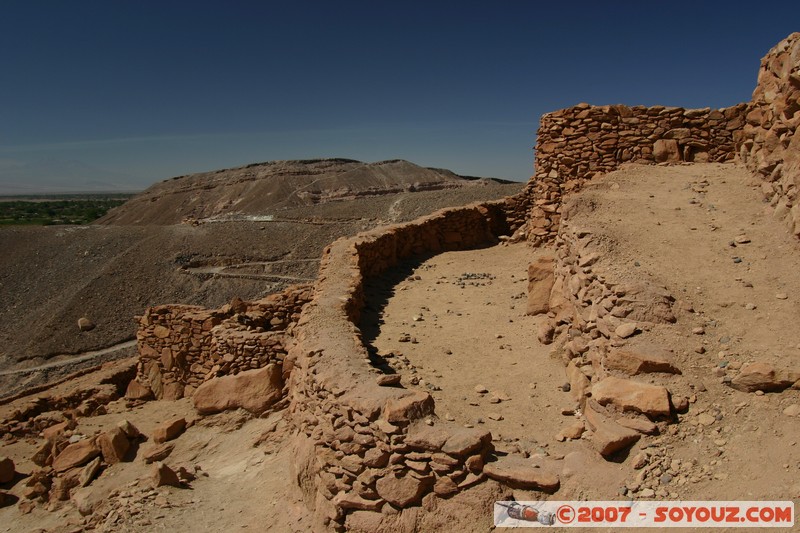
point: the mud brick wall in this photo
(182, 346)
(577, 143)
(769, 147)
(361, 447)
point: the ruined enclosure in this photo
(442, 363)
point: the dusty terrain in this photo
(110, 272)
(454, 325)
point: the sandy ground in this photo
(464, 313)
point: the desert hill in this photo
(140, 255)
(273, 187)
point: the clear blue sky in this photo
(127, 93)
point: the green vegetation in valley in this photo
(66, 209)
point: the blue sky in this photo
(121, 94)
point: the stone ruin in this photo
(361, 442)
(361, 445)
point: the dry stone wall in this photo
(181, 346)
(577, 143)
(770, 148)
(363, 446)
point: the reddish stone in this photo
(632, 396)
(518, 472)
(410, 407)
(76, 454)
(114, 444)
(169, 430)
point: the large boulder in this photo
(253, 390)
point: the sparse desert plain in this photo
(621, 329)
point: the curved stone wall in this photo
(360, 445)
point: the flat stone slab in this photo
(631, 395)
(519, 472)
(635, 362)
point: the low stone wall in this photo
(362, 446)
(770, 148)
(577, 143)
(182, 346)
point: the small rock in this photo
(625, 330)
(750, 306)
(129, 429)
(741, 239)
(494, 416)
(647, 493)
(138, 391)
(639, 461)
(706, 419)
(164, 475)
(89, 472)
(158, 453)
(698, 331)
(782, 296)
(792, 410)
(402, 491)
(85, 324)
(7, 470)
(573, 431)
(480, 389)
(169, 430)
(388, 380)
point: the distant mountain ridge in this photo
(267, 188)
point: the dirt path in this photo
(72, 359)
